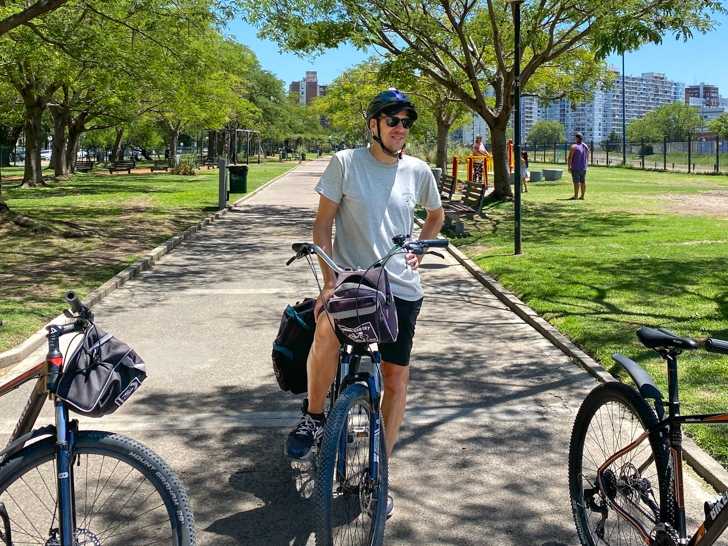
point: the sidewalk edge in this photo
(21, 351)
(704, 465)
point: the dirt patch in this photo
(709, 202)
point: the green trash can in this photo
(303, 157)
(238, 178)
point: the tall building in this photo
(708, 93)
(308, 87)
(601, 116)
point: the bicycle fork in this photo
(64, 477)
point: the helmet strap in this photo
(386, 150)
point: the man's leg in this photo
(321, 370)
(321, 365)
(576, 190)
(396, 379)
(583, 189)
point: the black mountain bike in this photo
(60, 486)
(350, 493)
(625, 459)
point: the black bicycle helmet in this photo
(390, 102)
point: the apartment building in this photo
(308, 87)
(708, 93)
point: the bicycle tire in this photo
(124, 494)
(342, 514)
(611, 417)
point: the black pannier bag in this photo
(363, 307)
(100, 375)
(292, 345)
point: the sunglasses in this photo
(392, 121)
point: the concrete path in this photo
(481, 457)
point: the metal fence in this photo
(692, 156)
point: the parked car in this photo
(45, 155)
(17, 156)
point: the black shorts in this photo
(399, 352)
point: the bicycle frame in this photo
(670, 428)
(46, 375)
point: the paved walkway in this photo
(481, 457)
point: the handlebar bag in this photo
(101, 374)
(292, 345)
(363, 307)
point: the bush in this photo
(184, 170)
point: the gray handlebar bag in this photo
(101, 374)
(363, 306)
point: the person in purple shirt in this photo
(578, 160)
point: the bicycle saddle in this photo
(661, 338)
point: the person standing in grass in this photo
(478, 164)
(524, 171)
(577, 161)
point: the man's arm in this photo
(571, 155)
(323, 229)
(433, 223)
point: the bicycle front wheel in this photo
(123, 494)
(612, 417)
(349, 506)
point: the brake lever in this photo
(435, 253)
(289, 262)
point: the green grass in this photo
(126, 214)
(643, 249)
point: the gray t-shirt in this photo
(376, 202)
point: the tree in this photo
(346, 100)
(720, 125)
(13, 17)
(562, 44)
(546, 132)
(674, 122)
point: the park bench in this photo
(84, 166)
(471, 202)
(122, 166)
(446, 186)
(209, 162)
(160, 165)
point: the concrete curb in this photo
(704, 465)
(20, 352)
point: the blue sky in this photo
(701, 59)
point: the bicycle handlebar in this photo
(716, 346)
(74, 302)
(421, 246)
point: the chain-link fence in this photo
(700, 155)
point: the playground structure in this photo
(487, 165)
(230, 143)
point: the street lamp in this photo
(624, 116)
(517, 125)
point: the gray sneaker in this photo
(302, 439)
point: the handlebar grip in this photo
(434, 243)
(297, 246)
(73, 301)
(716, 346)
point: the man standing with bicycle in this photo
(370, 194)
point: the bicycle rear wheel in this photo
(612, 417)
(350, 507)
(124, 494)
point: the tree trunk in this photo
(59, 162)
(116, 151)
(76, 126)
(33, 175)
(443, 128)
(501, 175)
(8, 138)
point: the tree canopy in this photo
(546, 132)
(720, 125)
(674, 122)
(467, 47)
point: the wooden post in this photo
(455, 167)
(470, 168)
